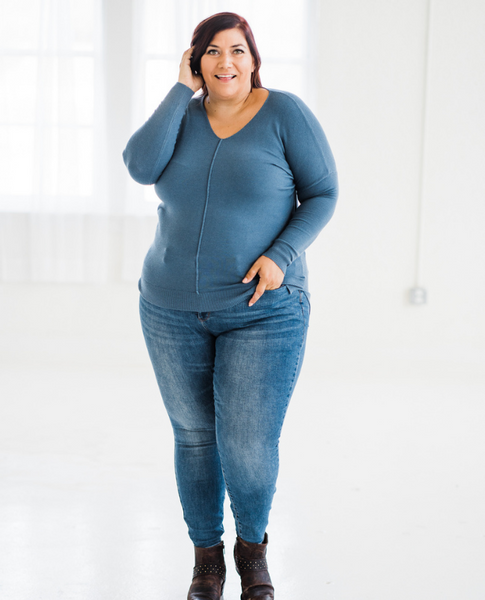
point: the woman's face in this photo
(227, 65)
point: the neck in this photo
(227, 106)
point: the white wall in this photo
(371, 102)
(371, 90)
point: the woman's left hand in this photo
(270, 277)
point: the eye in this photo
(212, 51)
(238, 51)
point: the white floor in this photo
(381, 493)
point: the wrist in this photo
(186, 84)
(193, 86)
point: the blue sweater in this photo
(267, 190)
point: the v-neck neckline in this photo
(239, 130)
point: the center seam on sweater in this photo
(203, 217)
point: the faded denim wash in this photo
(226, 379)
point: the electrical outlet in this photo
(418, 296)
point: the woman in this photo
(246, 181)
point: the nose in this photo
(225, 59)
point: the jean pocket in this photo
(275, 295)
(283, 288)
(306, 306)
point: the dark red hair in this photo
(206, 30)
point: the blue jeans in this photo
(226, 379)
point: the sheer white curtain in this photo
(52, 147)
(78, 76)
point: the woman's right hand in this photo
(194, 82)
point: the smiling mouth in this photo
(225, 77)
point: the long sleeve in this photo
(312, 164)
(151, 147)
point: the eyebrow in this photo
(235, 45)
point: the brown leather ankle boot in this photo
(252, 567)
(209, 573)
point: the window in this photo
(51, 105)
(78, 77)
